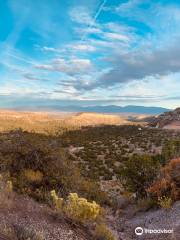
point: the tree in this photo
(139, 173)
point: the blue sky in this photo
(89, 52)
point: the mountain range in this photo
(113, 109)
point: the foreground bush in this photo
(139, 173)
(168, 184)
(165, 202)
(80, 209)
(76, 208)
(102, 232)
(58, 202)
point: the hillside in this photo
(92, 119)
(43, 122)
(23, 217)
(167, 120)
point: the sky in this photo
(89, 52)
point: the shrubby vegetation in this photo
(138, 173)
(171, 149)
(6, 188)
(27, 234)
(165, 202)
(106, 148)
(82, 211)
(167, 185)
(154, 184)
(37, 163)
(102, 232)
(75, 162)
(76, 208)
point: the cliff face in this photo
(167, 120)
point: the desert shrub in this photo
(33, 176)
(168, 184)
(138, 173)
(58, 202)
(80, 209)
(102, 232)
(6, 189)
(171, 149)
(9, 187)
(76, 208)
(23, 233)
(165, 202)
(92, 191)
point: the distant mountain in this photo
(168, 120)
(115, 109)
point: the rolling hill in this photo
(167, 120)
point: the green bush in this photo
(171, 149)
(139, 173)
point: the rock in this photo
(166, 119)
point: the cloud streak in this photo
(73, 66)
(95, 18)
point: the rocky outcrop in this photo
(171, 118)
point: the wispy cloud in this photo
(81, 15)
(51, 49)
(83, 47)
(73, 66)
(31, 76)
